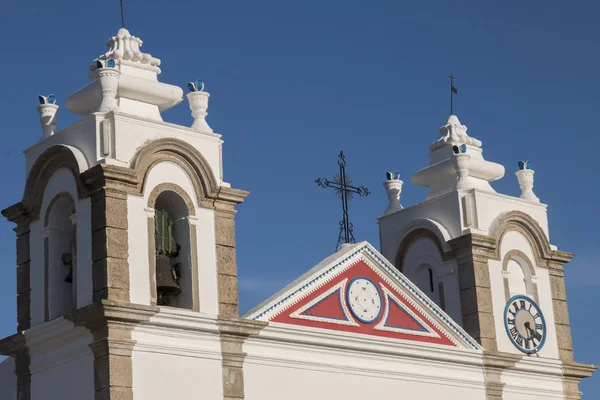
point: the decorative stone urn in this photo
(525, 177)
(109, 83)
(461, 165)
(198, 106)
(393, 188)
(48, 117)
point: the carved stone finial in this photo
(199, 104)
(525, 177)
(48, 114)
(393, 188)
(461, 165)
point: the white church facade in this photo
(127, 278)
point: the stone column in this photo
(113, 372)
(472, 253)
(561, 311)
(227, 283)
(234, 333)
(110, 249)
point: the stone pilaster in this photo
(494, 363)
(227, 283)
(472, 253)
(110, 250)
(573, 373)
(21, 216)
(111, 325)
(561, 312)
(233, 334)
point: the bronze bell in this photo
(166, 277)
(67, 259)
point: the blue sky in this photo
(294, 83)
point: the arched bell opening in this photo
(173, 252)
(60, 257)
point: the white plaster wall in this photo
(355, 368)
(445, 210)
(425, 251)
(138, 239)
(62, 363)
(8, 380)
(80, 135)
(177, 356)
(514, 240)
(534, 378)
(132, 132)
(137, 222)
(488, 206)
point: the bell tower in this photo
(486, 259)
(126, 262)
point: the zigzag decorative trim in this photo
(343, 265)
(341, 288)
(382, 326)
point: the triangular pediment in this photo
(357, 290)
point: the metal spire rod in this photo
(122, 16)
(452, 91)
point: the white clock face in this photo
(364, 300)
(525, 324)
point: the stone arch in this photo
(185, 156)
(528, 227)
(167, 186)
(50, 161)
(422, 228)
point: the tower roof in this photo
(455, 152)
(125, 48)
(133, 75)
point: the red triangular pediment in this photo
(329, 308)
(356, 290)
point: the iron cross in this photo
(342, 184)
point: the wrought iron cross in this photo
(342, 184)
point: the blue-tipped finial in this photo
(110, 63)
(392, 176)
(461, 149)
(50, 99)
(524, 165)
(197, 86)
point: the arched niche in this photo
(519, 275)
(60, 257)
(173, 206)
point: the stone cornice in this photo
(11, 345)
(577, 370)
(240, 326)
